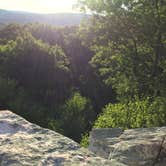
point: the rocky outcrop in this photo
(26, 144)
(135, 147)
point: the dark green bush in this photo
(75, 117)
(78, 116)
(8, 90)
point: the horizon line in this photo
(37, 12)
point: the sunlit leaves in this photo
(134, 114)
(127, 38)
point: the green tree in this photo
(41, 69)
(76, 116)
(128, 42)
(10, 32)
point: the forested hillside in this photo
(58, 19)
(110, 71)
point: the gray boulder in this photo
(135, 147)
(26, 144)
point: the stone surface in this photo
(98, 142)
(26, 144)
(135, 147)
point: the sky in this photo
(39, 6)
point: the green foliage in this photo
(134, 114)
(127, 38)
(77, 116)
(10, 32)
(85, 140)
(29, 61)
(33, 111)
(40, 66)
(15, 98)
(8, 89)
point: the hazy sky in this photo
(41, 6)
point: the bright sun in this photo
(42, 6)
(56, 5)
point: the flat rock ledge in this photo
(26, 144)
(135, 147)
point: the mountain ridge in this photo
(58, 19)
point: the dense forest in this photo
(110, 71)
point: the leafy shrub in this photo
(134, 114)
(77, 116)
(85, 140)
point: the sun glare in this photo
(39, 6)
(56, 5)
